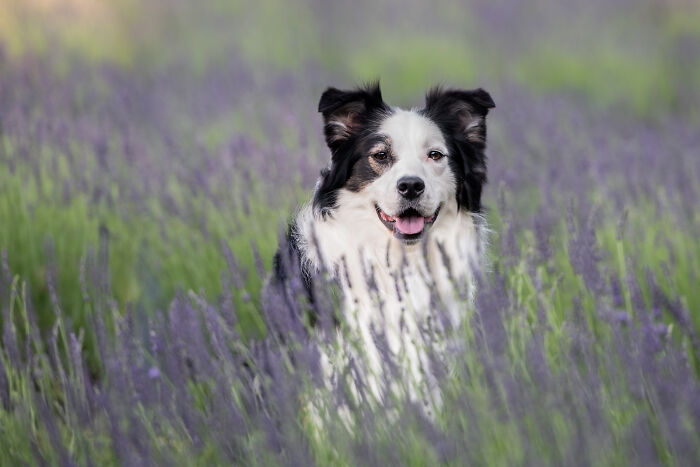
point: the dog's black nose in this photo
(410, 187)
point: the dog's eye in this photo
(380, 156)
(435, 155)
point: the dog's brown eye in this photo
(380, 156)
(435, 155)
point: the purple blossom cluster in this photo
(600, 385)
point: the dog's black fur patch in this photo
(365, 170)
(461, 116)
(288, 262)
(351, 119)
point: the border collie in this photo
(395, 220)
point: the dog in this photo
(396, 219)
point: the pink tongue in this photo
(409, 225)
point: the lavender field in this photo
(152, 153)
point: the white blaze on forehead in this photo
(412, 135)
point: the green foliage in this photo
(151, 254)
(595, 74)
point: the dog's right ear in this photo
(344, 112)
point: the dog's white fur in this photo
(354, 244)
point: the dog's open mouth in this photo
(409, 225)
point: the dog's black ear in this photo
(345, 111)
(345, 114)
(461, 116)
(463, 111)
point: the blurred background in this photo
(642, 55)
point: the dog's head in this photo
(406, 165)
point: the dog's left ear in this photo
(461, 116)
(464, 112)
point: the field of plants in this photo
(151, 154)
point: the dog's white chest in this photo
(398, 301)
